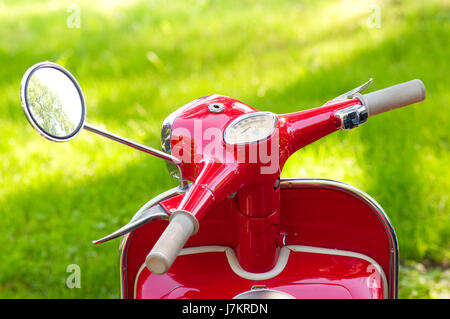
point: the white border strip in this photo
(346, 253)
(275, 271)
(279, 266)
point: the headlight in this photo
(166, 135)
(250, 128)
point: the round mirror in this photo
(53, 101)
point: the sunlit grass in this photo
(139, 60)
(418, 281)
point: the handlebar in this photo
(184, 224)
(393, 97)
(181, 226)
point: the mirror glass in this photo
(53, 101)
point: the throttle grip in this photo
(181, 226)
(393, 97)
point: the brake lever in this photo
(350, 94)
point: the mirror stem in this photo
(143, 148)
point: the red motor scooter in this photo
(233, 228)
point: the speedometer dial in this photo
(250, 128)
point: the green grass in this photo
(418, 281)
(139, 60)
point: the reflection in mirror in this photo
(54, 102)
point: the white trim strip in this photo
(136, 279)
(279, 266)
(234, 263)
(346, 253)
(202, 249)
(275, 271)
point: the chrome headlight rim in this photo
(166, 134)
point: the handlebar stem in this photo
(299, 129)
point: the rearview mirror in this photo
(54, 105)
(53, 101)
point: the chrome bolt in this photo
(216, 107)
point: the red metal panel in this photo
(336, 216)
(307, 275)
(310, 215)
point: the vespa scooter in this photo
(233, 228)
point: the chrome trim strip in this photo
(331, 184)
(123, 247)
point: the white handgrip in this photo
(393, 97)
(182, 225)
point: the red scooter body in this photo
(238, 231)
(341, 245)
(294, 238)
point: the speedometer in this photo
(250, 128)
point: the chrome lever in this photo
(350, 94)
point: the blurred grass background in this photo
(139, 60)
